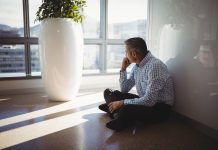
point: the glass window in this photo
(12, 60)
(115, 54)
(34, 26)
(35, 63)
(91, 59)
(91, 25)
(127, 18)
(11, 18)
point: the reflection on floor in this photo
(33, 122)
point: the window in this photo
(91, 59)
(129, 20)
(91, 25)
(115, 55)
(11, 18)
(34, 26)
(12, 61)
(35, 63)
(108, 23)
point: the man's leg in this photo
(128, 114)
(110, 96)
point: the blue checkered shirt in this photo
(152, 80)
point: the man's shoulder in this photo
(157, 64)
(156, 61)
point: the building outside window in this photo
(108, 23)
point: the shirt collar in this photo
(145, 60)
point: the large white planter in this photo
(61, 57)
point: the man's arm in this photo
(126, 83)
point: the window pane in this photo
(35, 65)
(11, 18)
(91, 59)
(127, 18)
(91, 25)
(115, 54)
(34, 26)
(12, 60)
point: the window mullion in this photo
(27, 36)
(103, 35)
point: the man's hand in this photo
(115, 105)
(125, 64)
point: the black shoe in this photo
(115, 125)
(108, 95)
(104, 107)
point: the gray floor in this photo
(33, 122)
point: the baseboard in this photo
(22, 91)
(198, 125)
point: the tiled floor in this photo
(33, 122)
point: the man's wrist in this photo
(121, 103)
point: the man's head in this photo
(136, 49)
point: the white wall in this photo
(184, 34)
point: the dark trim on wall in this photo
(22, 91)
(20, 78)
(198, 125)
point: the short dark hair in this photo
(138, 44)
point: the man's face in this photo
(129, 54)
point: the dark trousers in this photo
(128, 114)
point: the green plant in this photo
(61, 9)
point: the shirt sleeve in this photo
(157, 77)
(126, 83)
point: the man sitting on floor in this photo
(153, 83)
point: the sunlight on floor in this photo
(33, 131)
(36, 130)
(4, 99)
(81, 100)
